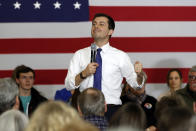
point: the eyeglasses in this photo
(191, 77)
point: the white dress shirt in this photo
(116, 64)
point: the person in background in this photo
(13, 120)
(147, 102)
(111, 64)
(92, 107)
(174, 119)
(63, 95)
(168, 101)
(131, 115)
(174, 82)
(53, 116)
(29, 97)
(8, 95)
(189, 92)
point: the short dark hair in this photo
(172, 100)
(111, 22)
(130, 114)
(22, 69)
(173, 70)
(174, 119)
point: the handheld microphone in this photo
(93, 53)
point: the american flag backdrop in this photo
(44, 34)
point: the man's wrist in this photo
(81, 76)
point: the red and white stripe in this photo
(159, 33)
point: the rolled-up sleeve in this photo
(73, 70)
(129, 73)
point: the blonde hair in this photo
(79, 126)
(52, 116)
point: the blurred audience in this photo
(92, 106)
(168, 101)
(131, 115)
(174, 119)
(13, 120)
(174, 82)
(29, 97)
(79, 126)
(189, 92)
(8, 95)
(53, 116)
(147, 102)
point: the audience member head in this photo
(22, 69)
(91, 102)
(130, 114)
(174, 79)
(22, 75)
(168, 101)
(79, 126)
(192, 79)
(52, 116)
(174, 119)
(8, 94)
(13, 120)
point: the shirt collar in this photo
(105, 47)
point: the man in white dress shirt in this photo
(116, 64)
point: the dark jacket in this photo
(36, 99)
(188, 96)
(148, 104)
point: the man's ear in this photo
(105, 106)
(194, 106)
(17, 104)
(110, 32)
(17, 80)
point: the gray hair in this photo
(91, 102)
(193, 69)
(13, 120)
(8, 93)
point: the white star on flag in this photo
(77, 5)
(57, 5)
(37, 5)
(17, 5)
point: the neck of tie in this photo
(98, 73)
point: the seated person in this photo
(174, 82)
(189, 92)
(147, 102)
(92, 106)
(29, 97)
(13, 120)
(63, 95)
(131, 115)
(8, 95)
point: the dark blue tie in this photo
(98, 73)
